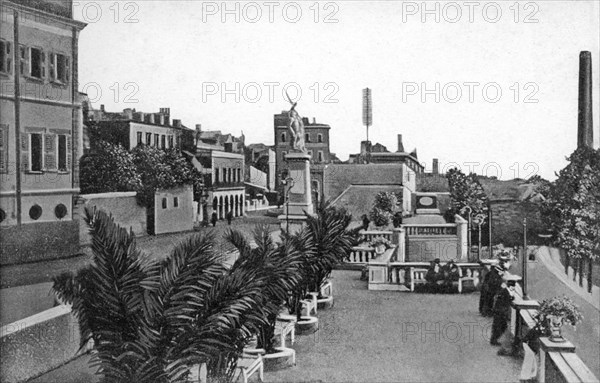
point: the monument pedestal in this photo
(298, 193)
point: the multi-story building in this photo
(379, 154)
(220, 157)
(131, 128)
(316, 140)
(40, 128)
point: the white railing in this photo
(361, 255)
(368, 236)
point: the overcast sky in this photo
(186, 54)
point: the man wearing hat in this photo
(434, 276)
(501, 308)
(491, 284)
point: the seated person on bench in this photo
(434, 275)
(451, 273)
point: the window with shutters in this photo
(36, 150)
(36, 59)
(139, 138)
(163, 141)
(5, 57)
(156, 142)
(50, 149)
(148, 139)
(59, 68)
(3, 148)
(63, 153)
(170, 142)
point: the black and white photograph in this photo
(345, 191)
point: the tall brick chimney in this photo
(436, 166)
(585, 133)
(400, 144)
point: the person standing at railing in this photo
(491, 283)
(501, 308)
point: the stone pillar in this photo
(585, 133)
(298, 192)
(461, 237)
(399, 239)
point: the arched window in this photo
(319, 137)
(283, 138)
(306, 137)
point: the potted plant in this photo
(554, 312)
(381, 244)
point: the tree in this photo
(108, 168)
(160, 169)
(384, 207)
(572, 210)
(467, 193)
(151, 321)
(278, 266)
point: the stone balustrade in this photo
(368, 236)
(558, 362)
(361, 255)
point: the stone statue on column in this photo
(296, 126)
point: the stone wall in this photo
(428, 248)
(38, 241)
(122, 206)
(173, 210)
(38, 344)
(507, 222)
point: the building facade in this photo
(379, 154)
(40, 126)
(224, 182)
(316, 140)
(131, 128)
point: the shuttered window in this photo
(62, 153)
(59, 68)
(36, 152)
(3, 148)
(50, 152)
(5, 57)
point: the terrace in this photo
(381, 336)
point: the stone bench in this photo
(417, 276)
(309, 306)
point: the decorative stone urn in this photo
(380, 249)
(555, 323)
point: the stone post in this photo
(461, 237)
(298, 192)
(399, 239)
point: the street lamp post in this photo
(469, 229)
(479, 222)
(524, 260)
(289, 183)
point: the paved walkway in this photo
(380, 336)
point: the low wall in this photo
(174, 210)
(34, 242)
(123, 207)
(38, 344)
(428, 248)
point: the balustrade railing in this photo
(361, 254)
(368, 236)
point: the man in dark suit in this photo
(491, 284)
(501, 308)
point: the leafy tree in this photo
(572, 210)
(108, 168)
(466, 192)
(385, 205)
(160, 169)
